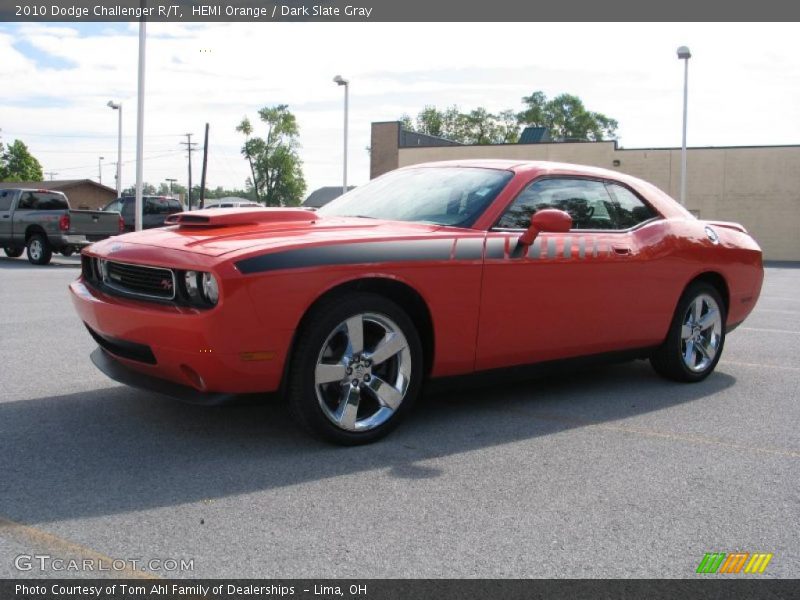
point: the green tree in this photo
(275, 165)
(566, 118)
(18, 164)
(478, 126)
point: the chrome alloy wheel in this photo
(35, 249)
(701, 333)
(363, 372)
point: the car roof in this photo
(525, 166)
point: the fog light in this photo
(210, 288)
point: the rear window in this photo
(162, 206)
(42, 201)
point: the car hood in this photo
(243, 233)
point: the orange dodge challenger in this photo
(430, 271)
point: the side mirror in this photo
(547, 219)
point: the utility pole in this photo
(205, 166)
(171, 181)
(51, 174)
(189, 145)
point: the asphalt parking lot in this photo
(611, 472)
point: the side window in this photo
(174, 206)
(586, 201)
(5, 201)
(127, 210)
(26, 201)
(115, 206)
(629, 210)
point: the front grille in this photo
(138, 280)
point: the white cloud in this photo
(744, 85)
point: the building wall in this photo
(756, 186)
(87, 196)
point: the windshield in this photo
(441, 195)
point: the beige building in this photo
(757, 186)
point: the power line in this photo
(124, 162)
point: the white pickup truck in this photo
(41, 222)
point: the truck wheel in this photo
(68, 251)
(356, 369)
(12, 252)
(39, 250)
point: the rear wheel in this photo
(39, 250)
(696, 336)
(13, 252)
(356, 369)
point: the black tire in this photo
(668, 359)
(41, 254)
(13, 252)
(318, 335)
(68, 251)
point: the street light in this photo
(118, 106)
(338, 80)
(171, 181)
(685, 55)
(100, 169)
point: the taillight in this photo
(121, 224)
(63, 222)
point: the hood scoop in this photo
(220, 217)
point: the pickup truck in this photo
(42, 222)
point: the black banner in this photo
(384, 589)
(396, 10)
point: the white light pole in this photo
(118, 106)
(685, 55)
(140, 125)
(340, 81)
(100, 169)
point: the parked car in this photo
(42, 222)
(430, 271)
(236, 204)
(154, 211)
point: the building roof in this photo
(323, 195)
(534, 135)
(55, 184)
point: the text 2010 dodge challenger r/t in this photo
(430, 271)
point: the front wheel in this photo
(356, 369)
(13, 252)
(696, 336)
(39, 250)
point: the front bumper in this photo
(220, 351)
(115, 370)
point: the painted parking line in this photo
(758, 365)
(47, 542)
(654, 433)
(768, 330)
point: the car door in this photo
(568, 294)
(127, 210)
(6, 198)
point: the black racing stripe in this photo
(469, 249)
(496, 248)
(348, 254)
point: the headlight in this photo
(210, 288)
(102, 268)
(190, 279)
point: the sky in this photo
(744, 86)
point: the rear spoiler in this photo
(728, 225)
(215, 217)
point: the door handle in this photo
(622, 250)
